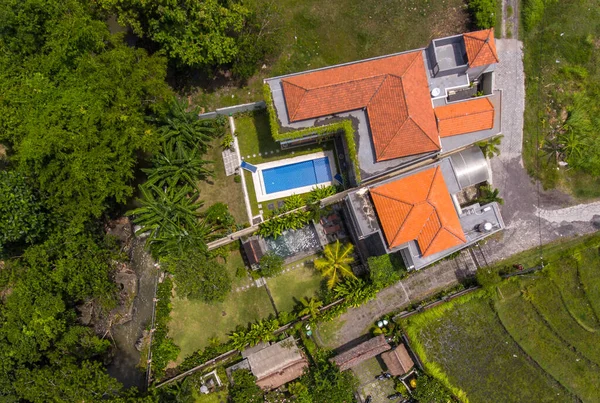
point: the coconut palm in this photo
(335, 263)
(490, 147)
(177, 165)
(310, 307)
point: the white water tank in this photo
(436, 92)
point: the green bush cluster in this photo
(275, 226)
(164, 349)
(344, 127)
(271, 264)
(201, 356)
(483, 13)
(386, 270)
(533, 11)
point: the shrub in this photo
(533, 11)
(430, 390)
(488, 277)
(244, 388)
(385, 270)
(218, 214)
(271, 264)
(240, 272)
(164, 349)
(237, 178)
(227, 141)
(483, 13)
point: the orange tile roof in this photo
(418, 207)
(394, 91)
(465, 117)
(481, 47)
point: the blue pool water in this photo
(292, 176)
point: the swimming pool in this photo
(297, 175)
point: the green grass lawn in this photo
(315, 33)
(193, 323)
(528, 339)
(561, 62)
(288, 288)
(234, 262)
(222, 188)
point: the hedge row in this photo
(344, 127)
(164, 349)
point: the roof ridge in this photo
(434, 211)
(463, 115)
(392, 198)
(437, 170)
(292, 116)
(346, 82)
(452, 233)
(378, 88)
(393, 137)
(412, 206)
(485, 42)
(423, 131)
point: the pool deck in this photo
(259, 183)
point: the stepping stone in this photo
(254, 155)
(242, 157)
(271, 152)
(260, 205)
(276, 151)
(259, 154)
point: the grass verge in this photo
(193, 323)
(288, 288)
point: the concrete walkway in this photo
(416, 287)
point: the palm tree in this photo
(335, 263)
(183, 126)
(310, 307)
(170, 216)
(489, 195)
(319, 193)
(177, 165)
(355, 291)
(490, 147)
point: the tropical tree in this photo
(293, 202)
(319, 193)
(177, 165)
(355, 291)
(181, 125)
(489, 195)
(310, 307)
(335, 263)
(490, 148)
(170, 216)
(244, 388)
(271, 264)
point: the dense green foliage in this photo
(22, 216)
(271, 264)
(385, 270)
(198, 275)
(244, 388)
(430, 390)
(277, 225)
(325, 383)
(204, 34)
(164, 349)
(483, 13)
(261, 331)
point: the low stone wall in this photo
(231, 110)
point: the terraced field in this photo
(530, 338)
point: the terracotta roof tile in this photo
(418, 207)
(481, 47)
(394, 91)
(465, 117)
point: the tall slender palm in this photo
(310, 307)
(177, 165)
(335, 263)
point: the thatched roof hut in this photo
(398, 361)
(277, 364)
(360, 353)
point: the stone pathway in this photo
(230, 159)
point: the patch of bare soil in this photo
(449, 21)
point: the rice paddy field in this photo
(531, 338)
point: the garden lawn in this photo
(222, 188)
(193, 323)
(561, 61)
(465, 341)
(288, 288)
(316, 33)
(234, 265)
